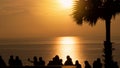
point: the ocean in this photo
(76, 48)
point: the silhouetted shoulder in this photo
(77, 64)
(11, 61)
(87, 65)
(41, 61)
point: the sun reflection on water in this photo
(69, 46)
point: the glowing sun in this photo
(66, 3)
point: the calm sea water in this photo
(76, 48)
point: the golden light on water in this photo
(69, 46)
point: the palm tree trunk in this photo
(108, 46)
(108, 24)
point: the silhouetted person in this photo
(50, 62)
(41, 62)
(18, 62)
(11, 61)
(87, 65)
(55, 61)
(97, 63)
(60, 62)
(2, 63)
(68, 61)
(77, 64)
(115, 64)
(35, 61)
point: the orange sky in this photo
(45, 18)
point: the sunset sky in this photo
(46, 18)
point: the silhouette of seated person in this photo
(50, 63)
(41, 62)
(60, 62)
(87, 65)
(97, 63)
(18, 62)
(115, 64)
(2, 63)
(77, 64)
(35, 61)
(68, 61)
(11, 61)
(55, 61)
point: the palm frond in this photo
(92, 10)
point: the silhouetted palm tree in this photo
(92, 10)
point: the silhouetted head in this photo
(68, 57)
(35, 58)
(76, 62)
(11, 57)
(86, 62)
(60, 60)
(17, 58)
(56, 57)
(0, 57)
(40, 58)
(98, 60)
(116, 63)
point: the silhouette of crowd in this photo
(15, 62)
(35, 61)
(56, 61)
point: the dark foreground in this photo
(56, 62)
(53, 66)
